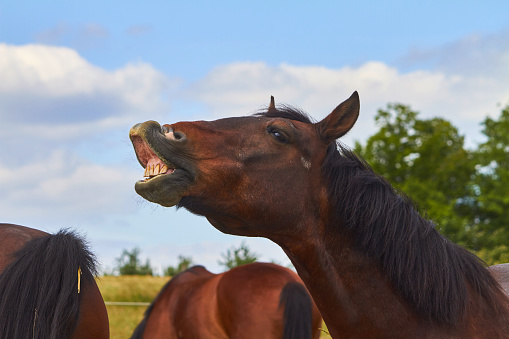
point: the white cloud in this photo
(83, 37)
(45, 86)
(56, 109)
(473, 55)
(138, 30)
(65, 187)
(240, 88)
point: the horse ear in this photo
(272, 106)
(341, 120)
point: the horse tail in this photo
(39, 289)
(298, 314)
(138, 331)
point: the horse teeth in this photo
(154, 170)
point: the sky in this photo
(75, 76)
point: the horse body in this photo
(374, 266)
(245, 302)
(39, 286)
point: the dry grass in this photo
(124, 319)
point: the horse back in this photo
(186, 307)
(13, 238)
(250, 301)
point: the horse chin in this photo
(166, 189)
(220, 226)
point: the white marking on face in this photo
(305, 162)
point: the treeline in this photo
(464, 191)
(129, 262)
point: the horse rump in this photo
(39, 289)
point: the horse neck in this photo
(357, 298)
(349, 289)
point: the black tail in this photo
(138, 331)
(298, 315)
(39, 289)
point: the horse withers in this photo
(258, 300)
(374, 267)
(47, 286)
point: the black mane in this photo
(38, 290)
(429, 271)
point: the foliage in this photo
(129, 263)
(237, 256)
(465, 192)
(427, 160)
(183, 264)
(490, 214)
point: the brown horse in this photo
(373, 265)
(258, 300)
(47, 286)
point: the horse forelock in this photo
(429, 271)
(39, 288)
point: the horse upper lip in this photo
(157, 145)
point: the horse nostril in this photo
(173, 135)
(179, 136)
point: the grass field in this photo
(124, 319)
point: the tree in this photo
(427, 160)
(129, 263)
(183, 264)
(238, 256)
(492, 190)
(465, 192)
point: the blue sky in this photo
(75, 76)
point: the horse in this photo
(258, 300)
(47, 286)
(374, 266)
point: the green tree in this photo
(183, 264)
(427, 160)
(490, 214)
(238, 256)
(129, 263)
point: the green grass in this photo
(124, 319)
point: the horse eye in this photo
(278, 135)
